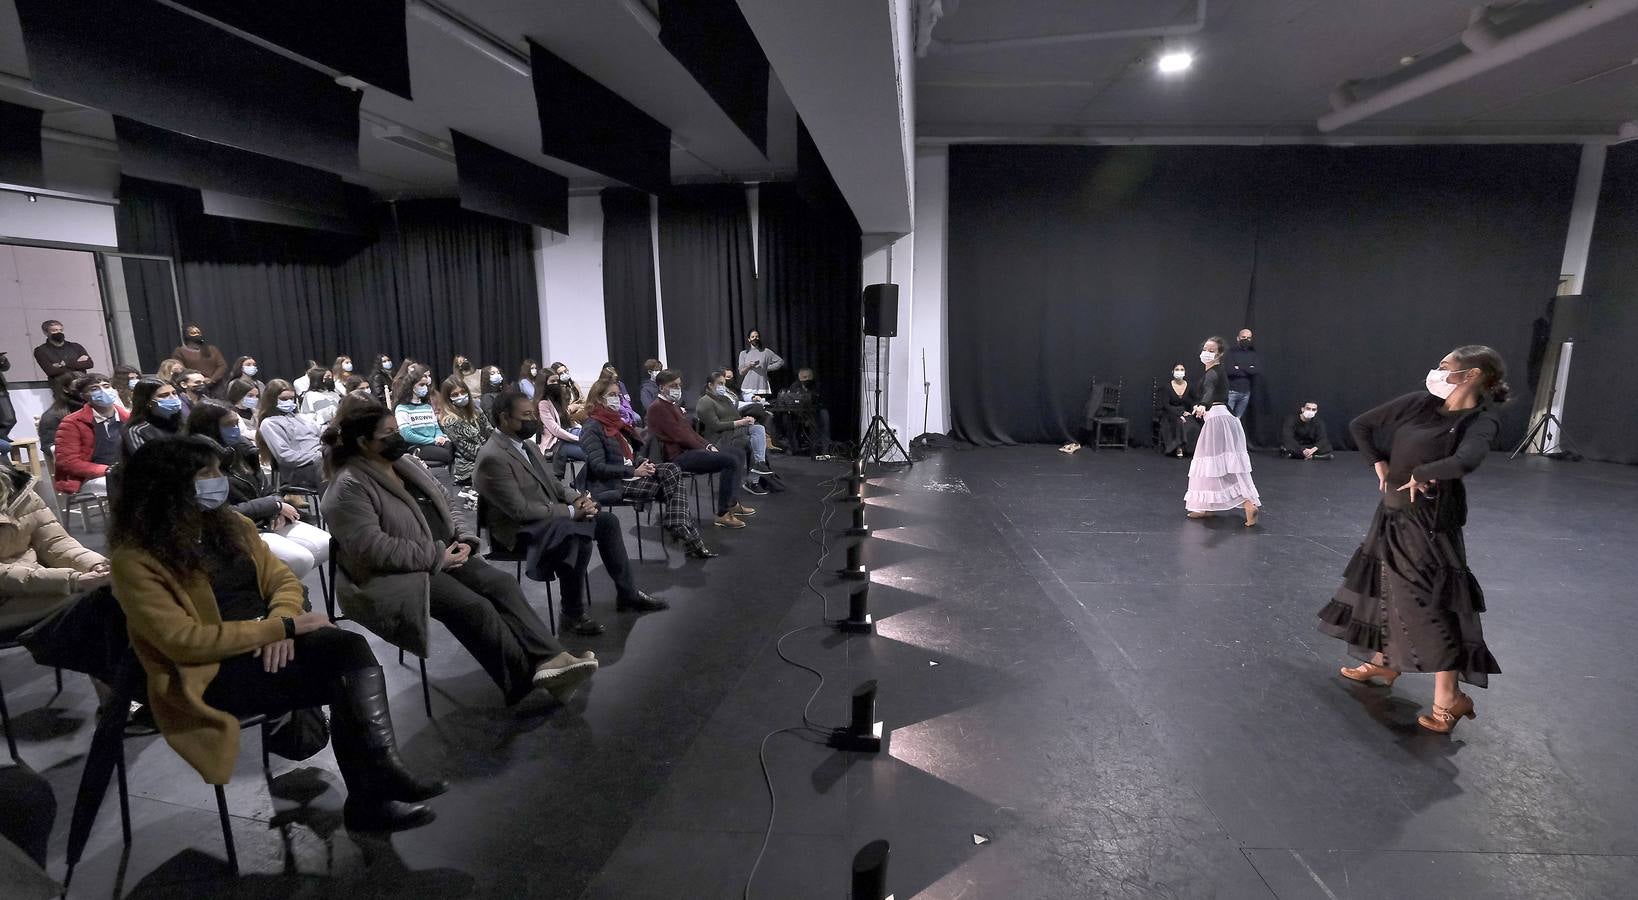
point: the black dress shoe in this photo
(365, 814)
(641, 603)
(584, 625)
(698, 550)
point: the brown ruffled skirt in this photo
(1407, 594)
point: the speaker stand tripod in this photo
(879, 437)
(1546, 424)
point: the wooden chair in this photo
(1106, 418)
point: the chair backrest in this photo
(1109, 401)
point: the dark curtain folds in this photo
(707, 280)
(809, 284)
(1363, 266)
(628, 282)
(1595, 425)
(432, 282)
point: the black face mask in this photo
(393, 447)
(466, 366)
(57, 338)
(196, 338)
(1244, 344)
(757, 343)
(554, 392)
(808, 385)
(528, 429)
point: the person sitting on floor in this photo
(615, 475)
(300, 546)
(89, 439)
(156, 411)
(723, 426)
(217, 623)
(406, 557)
(668, 423)
(292, 441)
(1303, 435)
(525, 500)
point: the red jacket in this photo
(670, 424)
(76, 441)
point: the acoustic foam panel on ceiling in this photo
(584, 123)
(362, 38)
(146, 61)
(20, 154)
(160, 155)
(715, 44)
(496, 183)
(254, 209)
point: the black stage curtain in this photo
(707, 279)
(809, 285)
(628, 282)
(1597, 422)
(1358, 268)
(434, 281)
(20, 152)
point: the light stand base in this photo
(854, 742)
(854, 573)
(856, 626)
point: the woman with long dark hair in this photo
(245, 369)
(317, 403)
(1408, 602)
(297, 544)
(380, 377)
(464, 423)
(408, 558)
(559, 438)
(490, 385)
(528, 379)
(245, 397)
(218, 624)
(417, 413)
(156, 411)
(1220, 473)
(125, 380)
(290, 439)
(1179, 429)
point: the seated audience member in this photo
(492, 383)
(89, 439)
(168, 370)
(469, 375)
(464, 423)
(405, 554)
(753, 408)
(317, 403)
(304, 382)
(380, 378)
(804, 394)
(64, 400)
(192, 387)
(528, 378)
(244, 369)
(615, 475)
(668, 423)
(418, 417)
(244, 397)
(342, 368)
(292, 441)
(559, 438)
(627, 414)
(156, 411)
(1303, 435)
(42, 567)
(125, 380)
(650, 389)
(1179, 428)
(721, 424)
(297, 544)
(217, 622)
(204, 357)
(525, 500)
(573, 398)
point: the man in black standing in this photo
(61, 359)
(1244, 368)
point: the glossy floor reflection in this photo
(1120, 701)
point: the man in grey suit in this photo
(526, 502)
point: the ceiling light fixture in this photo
(1174, 62)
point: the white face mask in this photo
(346, 367)
(1306, 415)
(673, 394)
(1178, 374)
(494, 378)
(534, 373)
(1207, 357)
(249, 370)
(386, 365)
(1438, 386)
(611, 402)
(461, 400)
(722, 389)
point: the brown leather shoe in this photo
(728, 520)
(1443, 718)
(742, 510)
(1364, 673)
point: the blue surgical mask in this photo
(386, 364)
(287, 406)
(231, 435)
(104, 397)
(673, 394)
(722, 389)
(461, 400)
(248, 401)
(420, 390)
(132, 383)
(249, 370)
(169, 407)
(494, 378)
(210, 493)
(346, 367)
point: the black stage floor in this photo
(1126, 703)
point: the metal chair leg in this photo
(124, 795)
(227, 830)
(637, 523)
(59, 681)
(551, 615)
(5, 719)
(267, 763)
(426, 687)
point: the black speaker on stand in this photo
(881, 320)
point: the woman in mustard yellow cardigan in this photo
(218, 624)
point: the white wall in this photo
(569, 275)
(61, 221)
(928, 327)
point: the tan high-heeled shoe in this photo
(1365, 673)
(1443, 719)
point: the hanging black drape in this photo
(1363, 267)
(1596, 425)
(809, 284)
(434, 281)
(707, 281)
(628, 282)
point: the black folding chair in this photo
(518, 556)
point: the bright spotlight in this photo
(1174, 62)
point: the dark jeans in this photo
(243, 687)
(486, 611)
(8, 415)
(435, 454)
(611, 548)
(705, 462)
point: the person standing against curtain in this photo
(1220, 473)
(755, 362)
(1408, 601)
(1244, 367)
(61, 359)
(206, 358)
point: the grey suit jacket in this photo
(515, 492)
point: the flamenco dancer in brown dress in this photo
(1408, 602)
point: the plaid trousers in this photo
(664, 485)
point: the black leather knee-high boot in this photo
(382, 794)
